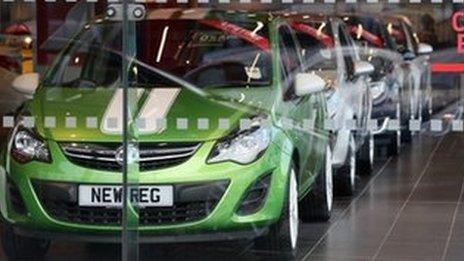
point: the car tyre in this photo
(283, 235)
(394, 144)
(365, 157)
(345, 176)
(406, 113)
(317, 204)
(18, 247)
(406, 134)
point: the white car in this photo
(330, 52)
(416, 65)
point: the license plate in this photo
(111, 196)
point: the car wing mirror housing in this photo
(308, 83)
(26, 83)
(424, 48)
(363, 68)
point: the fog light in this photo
(255, 196)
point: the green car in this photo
(230, 138)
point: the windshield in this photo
(206, 53)
(317, 42)
(369, 31)
(403, 36)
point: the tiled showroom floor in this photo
(409, 209)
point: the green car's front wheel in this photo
(317, 204)
(18, 247)
(283, 235)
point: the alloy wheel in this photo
(329, 178)
(293, 209)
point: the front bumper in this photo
(223, 218)
(144, 238)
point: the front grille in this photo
(193, 202)
(177, 214)
(107, 156)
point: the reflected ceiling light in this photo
(359, 31)
(76, 60)
(188, 11)
(162, 43)
(138, 12)
(416, 38)
(242, 97)
(389, 28)
(135, 70)
(346, 18)
(259, 26)
(110, 11)
(319, 30)
(305, 16)
(28, 40)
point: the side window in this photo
(317, 50)
(290, 59)
(412, 39)
(349, 55)
(288, 51)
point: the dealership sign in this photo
(457, 22)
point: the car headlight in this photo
(377, 89)
(27, 147)
(244, 146)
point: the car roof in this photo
(359, 15)
(207, 13)
(299, 16)
(391, 18)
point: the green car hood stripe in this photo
(82, 103)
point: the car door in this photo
(305, 112)
(420, 69)
(359, 88)
(408, 47)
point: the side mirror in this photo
(308, 83)
(424, 48)
(409, 56)
(363, 68)
(26, 83)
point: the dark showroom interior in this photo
(232, 130)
